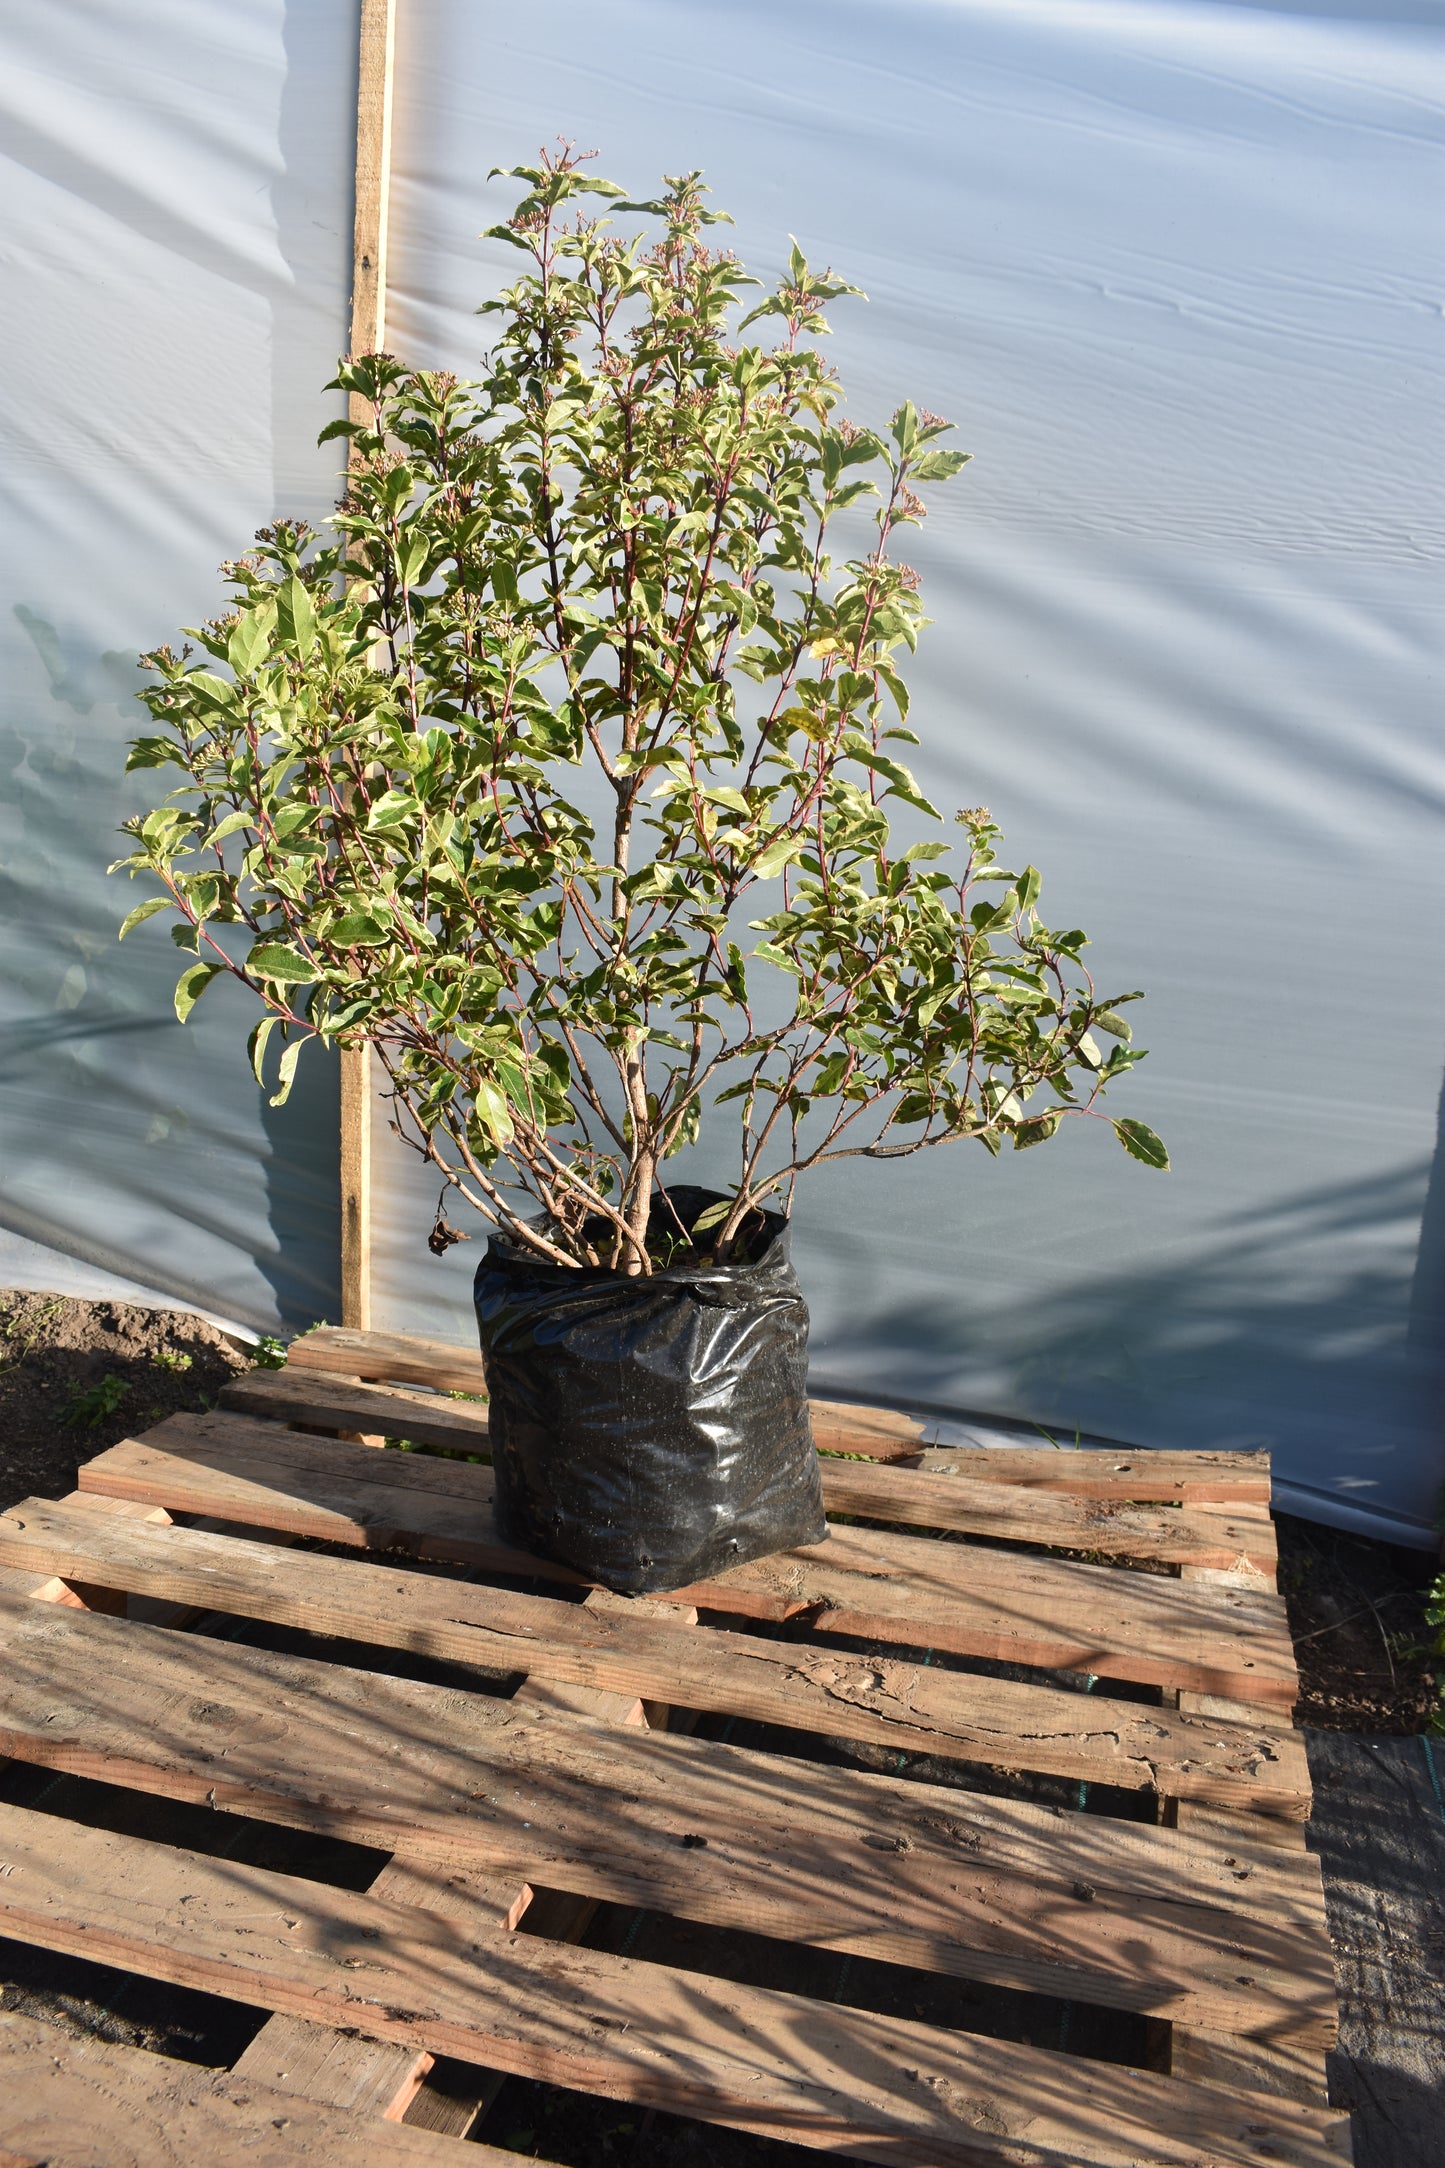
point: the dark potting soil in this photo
(75, 1377)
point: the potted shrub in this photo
(562, 777)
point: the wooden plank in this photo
(446, 1366)
(1167, 1534)
(403, 1358)
(382, 2076)
(1077, 1905)
(1288, 2071)
(340, 2070)
(630, 1648)
(1044, 1612)
(1201, 1819)
(76, 2103)
(368, 336)
(873, 2087)
(373, 175)
(846, 1426)
(355, 1177)
(1097, 1472)
(79, 1595)
(1292, 2070)
(379, 2077)
(965, 1504)
(1141, 1473)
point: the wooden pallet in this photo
(570, 1776)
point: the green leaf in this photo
(154, 753)
(295, 617)
(904, 427)
(256, 1045)
(1037, 1130)
(358, 929)
(492, 1110)
(712, 1216)
(392, 806)
(251, 639)
(1140, 1142)
(274, 960)
(778, 854)
(1118, 1027)
(723, 794)
(145, 910)
(217, 692)
(286, 1074)
(938, 466)
(192, 984)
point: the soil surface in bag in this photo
(651, 1431)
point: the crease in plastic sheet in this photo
(1174, 270)
(176, 266)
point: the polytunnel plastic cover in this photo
(1173, 269)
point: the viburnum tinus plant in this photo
(563, 776)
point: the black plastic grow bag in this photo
(652, 1431)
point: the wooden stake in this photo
(368, 332)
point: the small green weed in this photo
(173, 1358)
(270, 1353)
(89, 1405)
(24, 1326)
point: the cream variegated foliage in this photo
(614, 552)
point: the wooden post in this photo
(368, 333)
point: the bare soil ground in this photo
(75, 1377)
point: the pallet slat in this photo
(621, 1648)
(948, 1882)
(847, 1426)
(1099, 1472)
(74, 2103)
(970, 1601)
(878, 2088)
(963, 1502)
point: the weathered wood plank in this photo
(339, 2070)
(1174, 1535)
(68, 2103)
(952, 1882)
(299, 2056)
(1289, 2071)
(1137, 1473)
(632, 1648)
(876, 2088)
(380, 2077)
(963, 1503)
(1099, 1472)
(970, 1601)
(405, 1358)
(402, 1357)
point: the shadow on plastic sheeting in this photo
(302, 1172)
(1259, 1340)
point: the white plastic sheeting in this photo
(176, 261)
(1174, 269)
